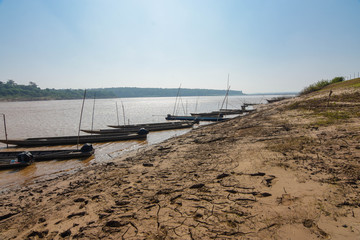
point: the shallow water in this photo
(60, 118)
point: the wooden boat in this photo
(23, 159)
(277, 99)
(209, 114)
(193, 118)
(12, 163)
(235, 111)
(71, 140)
(223, 112)
(149, 127)
(17, 159)
(42, 155)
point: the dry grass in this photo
(354, 83)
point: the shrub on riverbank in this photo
(320, 85)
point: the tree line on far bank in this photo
(11, 91)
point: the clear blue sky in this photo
(265, 46)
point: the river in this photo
(62, 117)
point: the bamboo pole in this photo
(222, 105)
(227, 99)
(177, 95)
(117, 114)
(82, 108)
(7, 145)
(123, 109)
(92, 119)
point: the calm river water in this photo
(61, 118)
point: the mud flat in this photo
(290, 170)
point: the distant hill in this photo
(156, 92)
(11, 91)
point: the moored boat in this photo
(20, 160)
(277, 99)
(148, 125)
(42, 155)
(209, 114)
(135, 128)
(193, 118)
(72, 140)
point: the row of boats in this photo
(16, 159)
(126, 132)
(113, 133)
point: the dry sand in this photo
(285, 171)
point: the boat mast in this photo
(117, 114)
(227, 99)
(182, 104)
(7, 145)
(92, 120)
(82, 108)
(122, 104)
(196, 105)
(177, 95)
(227, 92)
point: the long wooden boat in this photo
(18, 159)
(193, 118)
(149, 127)
(277, 99)
(43, 155)
(13, 163)
(235, 111)
(71, 140)
(222, 112)
(207, 114)
(22, 159)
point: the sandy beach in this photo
(289, 170)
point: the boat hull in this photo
(72, 140)
(151, 128)
(149, 125)
(11, 163)
(193, 118)
(51, 154)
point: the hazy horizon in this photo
(265, 46)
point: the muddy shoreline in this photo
(277, 173)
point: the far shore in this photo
(52, 99)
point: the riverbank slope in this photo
(290, 170)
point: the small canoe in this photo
(148, 126)
(277, 99)
(193, 118)
(151, 128)
(13, 163)
(20, 160)
(209, 114)
(72, 140)
(235, 111)
(42, 155)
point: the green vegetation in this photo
(13, 91)
(353, 83)
(331, 117)
(320, 85)
(336, 109)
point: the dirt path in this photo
(278, 173)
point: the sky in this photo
(259, 45)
